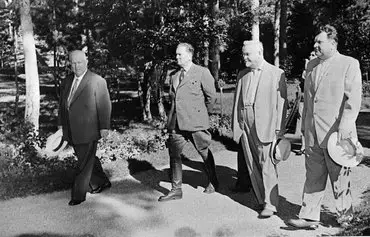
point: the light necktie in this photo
(73, 90)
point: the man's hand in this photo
(279, 134)
(343, 134)
(104, 133)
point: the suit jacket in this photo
(89, 109)
(332, 102)
(270, 103)
(193, 99)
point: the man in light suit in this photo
(259, 115)
(193, 94)
(332, 103)
(84, 116)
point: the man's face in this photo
(324, 47)
(78, 63)
(252, 55)
(183, 56)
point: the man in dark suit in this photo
(192, 92)
(84, 116)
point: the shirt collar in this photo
(187, 68)
(80, 77)
(329, 59)
(259, 67)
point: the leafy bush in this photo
(220, 125)
(365, 88)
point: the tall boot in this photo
(176, 181)
(210, 168)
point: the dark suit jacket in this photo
(89, 109)
(193, 99)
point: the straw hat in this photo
(348, 152)
(55, 144)
(280, 150)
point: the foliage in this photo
(220, 125)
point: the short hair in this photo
(77, 51)
(253, 42)
(330, 31)
(188, 47)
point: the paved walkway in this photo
(130, 207)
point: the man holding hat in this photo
(332, 102)
(259, 114)
(84, 117)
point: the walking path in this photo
(130, 207)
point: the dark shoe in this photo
(210, 189)
(75, 202)
(101, 188)
(239, 189)
(300, 152)
(174, 194)
(303, 224)
(266, 213)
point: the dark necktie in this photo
(73, 90)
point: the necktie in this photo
(73, 90)
(181, 77)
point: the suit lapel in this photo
(81, 86)
(188, 74)
(325, 73)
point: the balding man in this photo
(193, 94)
(259, 113)
(84, 116)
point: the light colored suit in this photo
(270, 104)
(332, 101)
(255, 126)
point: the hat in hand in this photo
(347, 152)
(280, 150)
(55, 144)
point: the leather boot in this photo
(174, 194)
(176, 180)
(210, 168)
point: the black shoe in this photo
(239, 189)
(75, 202)
(172, 195)
(101, 188)
(300, 152)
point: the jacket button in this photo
(316, 100)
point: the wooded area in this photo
(135, 40)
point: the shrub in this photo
(220, 125)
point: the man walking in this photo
(332, 100)
(84, 116)
(259, 113)
(192, 92)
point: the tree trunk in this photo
(214, 42)
(283, 28)
(15, 47)
(256, 22)
(32, 111)
(162, 78)
(277, 33)
(147, 113)
(140, 93)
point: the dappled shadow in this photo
(227, 180)
(227, 141)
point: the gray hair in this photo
(253, 43)
(188, 47)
